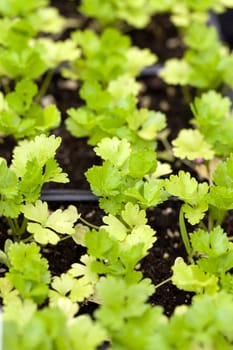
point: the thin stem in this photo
(162, 137)
(184, 234)
(163, 282)
(45, 84)
(64, 238)
(186, 94)
(89, 224)
(13, 227)
(5, 85)
(28, 239)
(23, 226)
(203, 226)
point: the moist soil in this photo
(75, 156)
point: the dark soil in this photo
(157, 264)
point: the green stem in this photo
(13, 227)
(64, 238)
(89, 224)
(184, 235)
(186, 94)
(28, 239)
(23, 226)
(45, 84)
(5, 85)
(163, 282)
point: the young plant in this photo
(113, 112)
(210, 273)
(30, 279)
(21, 116)
(200, 197)
(213, 118)
(206, 64)
(130, 322)
(107, 56)
(120, 178)
(32, 166)
(24, 54)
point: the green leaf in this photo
(190, 144)
(98, 243)
(47, 20)
(42, 148)
(143, 236)
(53, 172)
(45, 227)
(214, 119)
(221, 197)
(192, 278)
(37, 212)
(21, 99)
(148, 194)
(185, 187)
(195, 31)
(82, 289)
(8, 181)
(217, 265)
(115, 227)
(34, 159)
(42, 235)
(133, 216)
(142, 163)
(13, 9)
(62, 221)
(139, 58)
(210, 108)
(91, 333)
(115, 150)
(20, 311)
(63, 284)
(10, 208)
(24, 64)
(104, 180)
(80, 121)
(213, 243)
(110, 206)
(32, 277)
(124, 85)
(56, 52)
(79, 234)
(32, 181)
(194, 214)
(223, 174)
(176, 71)
(75, 289)
(154, 122)
(121, 301)
(51, 118)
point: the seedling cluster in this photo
(40, 309)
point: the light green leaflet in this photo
(46, 227)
